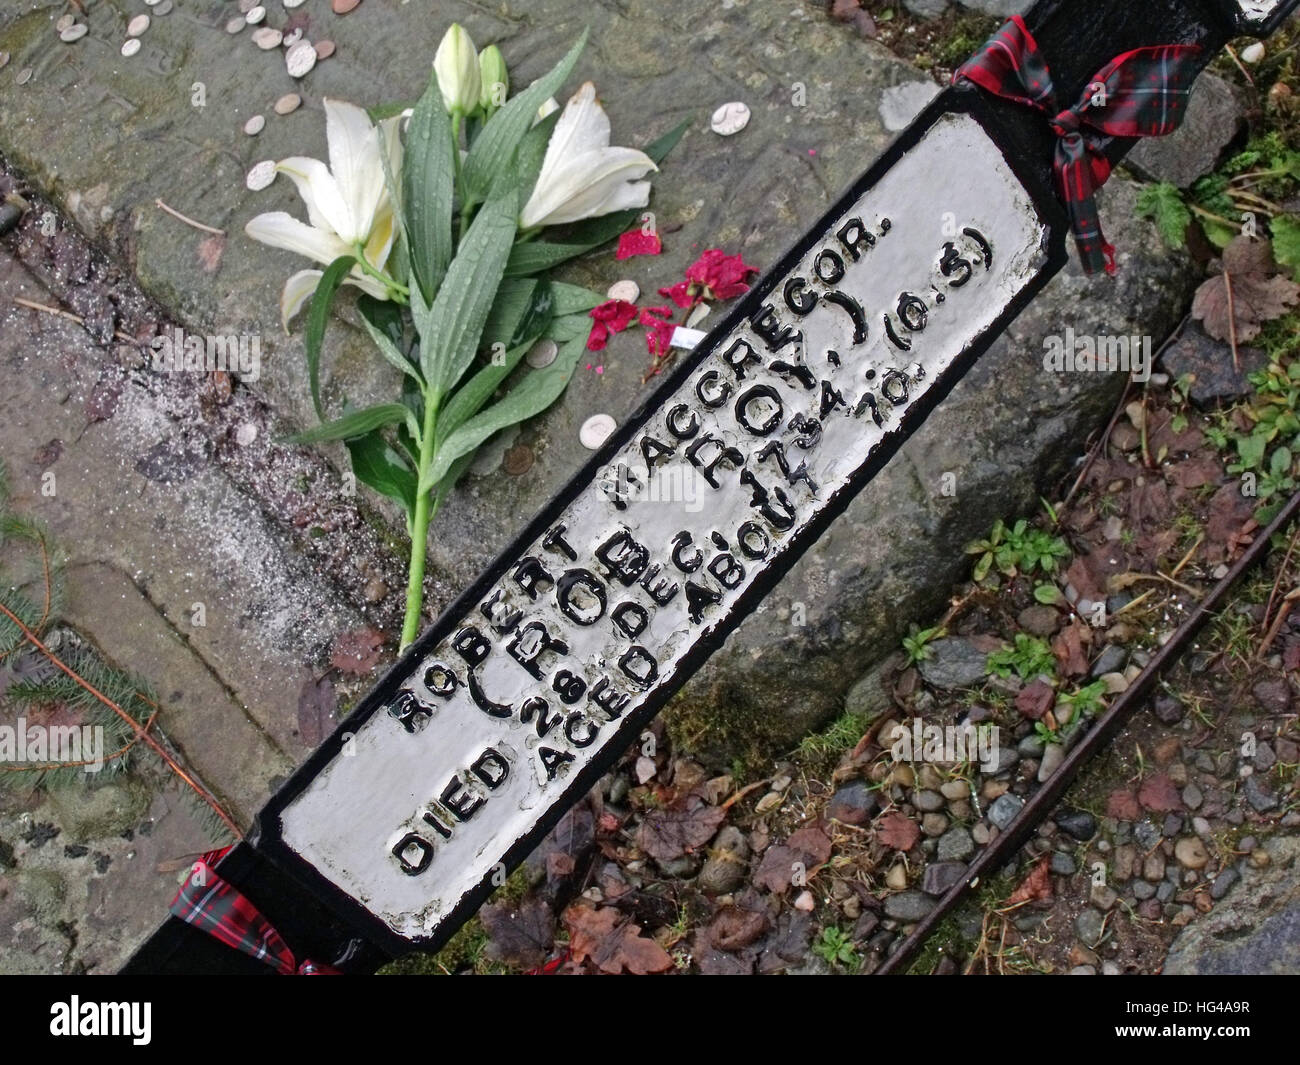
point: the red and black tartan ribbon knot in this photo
(215, 906)
(1142, 93)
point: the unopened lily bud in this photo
(494, 81)
(456, 66)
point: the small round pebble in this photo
(342, 7)
(288, 103)
(596, 430)
(255, 15)
(291, 4)
(1253, 52)
(730, 118)
(137, 26)
(164, 7)
(246, 434)
(541, 354)
(255, 125)
(267, 37)
(299, 59)
(261, 175)
(324, 49)
(628, 291)
(235, 25)
(74, 33)
(24, 76)
(292, 37)
(66, 22)
(4, 60)
(130, 46)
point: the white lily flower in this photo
(549, 107)
(347, 204)
(456, 66)
(581, 175)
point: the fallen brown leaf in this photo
(1037, 885)
(679, 829)
(897, 830)
(356, 652)
(611, 943)
(1257, 296)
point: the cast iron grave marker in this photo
(529, 686)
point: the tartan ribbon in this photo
(216, 907)
(1142, 93)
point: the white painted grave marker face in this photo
(548, 669)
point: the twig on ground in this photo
(188, 220)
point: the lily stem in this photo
(378, 275)
(425, 507)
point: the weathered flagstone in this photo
(1254, 930)
(108, 138)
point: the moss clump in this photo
(723, 731)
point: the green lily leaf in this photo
(317, 317)
(385, 469)
(532, 153)
(494, 149)
(428, 176)
(534, 256)
(383, 321)
(658, 150)
(360, 422)
(451, 329)
(574, 299)
(536, 391)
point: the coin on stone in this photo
(288, 103)
(266, 38)
(299, 59)
(130, 46)
(628, 291)
(324, 49)
(255, 15)
(541, 354)
(730, 118)
(596, 430)
(137, 26)
(517, 460)
(255, 125)
(74, 33)
(261, 175)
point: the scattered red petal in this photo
(612, 316)
(638, 242)
(679, 293)
(722, 276)
(659, 332)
